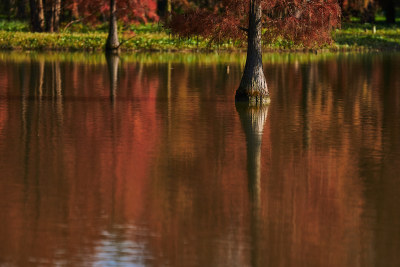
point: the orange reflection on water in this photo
(151, 163)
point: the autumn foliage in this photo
(299, 21)
(128, 10)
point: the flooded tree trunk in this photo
(253, 87)
(37, 15)
(112, 44)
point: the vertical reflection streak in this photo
(253, 119)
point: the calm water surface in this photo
(146, 160)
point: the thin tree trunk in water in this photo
(112, 43)
(253, 87)
(37, 15)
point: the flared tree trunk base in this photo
(253, 86)
(254, 98)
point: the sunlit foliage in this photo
(308, 22)
(128, 10)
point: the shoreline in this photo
(162, 42)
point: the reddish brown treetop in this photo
(127, 10)
(309, 22)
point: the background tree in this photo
(363, 9)
(112, 42)
(37, 15)
(21, 9)
(52, 18)
(127, 11)
(389, 9)
(298, 21)
(45, 15)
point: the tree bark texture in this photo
(56, 14)
(53, 10)
(37, 15)
(253, 87)
(112, 43)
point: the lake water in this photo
(144, 160)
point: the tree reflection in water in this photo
(159, 175)
(253, 119)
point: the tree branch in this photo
(72, 22)
(126, 40)
(243, 29)
(75, 21)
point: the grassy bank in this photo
(16, 35)
(363, 36)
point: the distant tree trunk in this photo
(37, 15)
(161, 7)
(74, 9)
(21, 9)
(53, 9)
(164, 9)
(169, 9)
(388, 7)
(112, 43)
(253, 87)
(6, 8)
(56, 15)
(49, 18)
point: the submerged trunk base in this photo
(254, 99)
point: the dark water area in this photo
(144, 160)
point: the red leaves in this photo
(302, 21)
(223, 22)
(128, 10)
